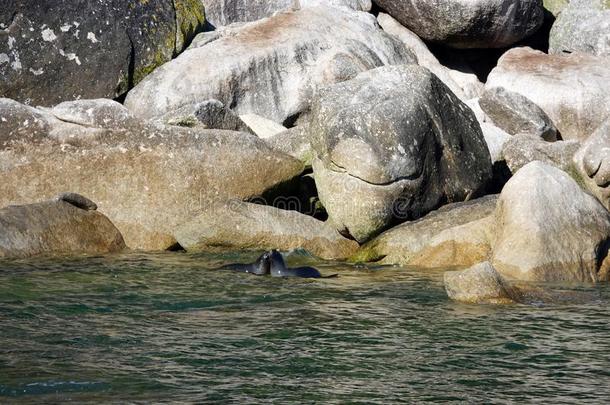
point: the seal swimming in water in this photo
(273, 263)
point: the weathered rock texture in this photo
(56, 228)
(593, 163)
(467, 23)
(69, 49)
(147, 178)
(571, 89)
(455, 235)
(520, 150)
(480, 284)
(549, 229)
(583, 26)
(271, 67)
(393, 144)
(238, 225)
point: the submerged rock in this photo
(571, 89)
(69, 49)
(582, 26)
(593, 163)
(467, 23)
(480, 284)
(147, 178)
(391, 145)
(56, 228)
(271, 67)
(550, 229)
(245, 226)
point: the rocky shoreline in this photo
(395, 132)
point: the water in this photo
(143, 328)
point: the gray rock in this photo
(516, 114)
(293, 142)
(467, 23)
(551, 230)
(70, 49)
(237, 225)
(593, 163)
(210, 114)
(78, 201)
(520, 150)
(571, 89)
(555, 7)
(262, 127)
(272, 67)
(455, 235)
(495, 139)
(147, 178)
(55, 228)
(583, 26)
(393, 144)
(480, 284)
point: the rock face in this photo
(147, 178)
(56, 228)
(225, 12)
(571, 89)
(520, 150)
(495, 138)
(455, 235)
(550, 229)
(210, 114)
(467, 23)
(52, 51)
(516, 114)
(391, 145)
(239, 225)
(271, 67)
(593, 163)
(480, 284)
(583, 26)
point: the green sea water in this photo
(142, 328)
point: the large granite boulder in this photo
(468, 23)
(520, 150)
(69, 49)
(593, 163)
(391, 145)
(480, 284)
(237, 225)
(455, 235)
(224, 12)
(147, 178)
(56, 227)
(271, 67)
(550, 229)
(516, 114)
(583, 26)
(571, 89)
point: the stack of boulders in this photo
(200, 124)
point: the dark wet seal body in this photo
(260, 267)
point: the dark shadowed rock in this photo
(56, 228)
(53, 51)
(78, 201)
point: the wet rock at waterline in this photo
(467, 23)
(70, 49)
(480, 284)
(391, 145)
(237, 225)
(146, 178)
(593, 163)
(56, 228)
(572, 89)
(551, 230)
(271, 67)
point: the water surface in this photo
(166, 327)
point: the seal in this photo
(278, 268)
(261, 267)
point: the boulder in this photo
(555, 7)
(571, 89)
(480, 284)
(294, 142)
(271, 67)
(549, 229)
(224, 12)
(147, 178)
(210, 114)
(52, 51)
(56, 228)
(583, 26)
(391, 145)
(520, 150)
(455, 235)
(495, 138)
(593, 163)
(516, 114)
(238, 225)
(262, 127)
(467, 23)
